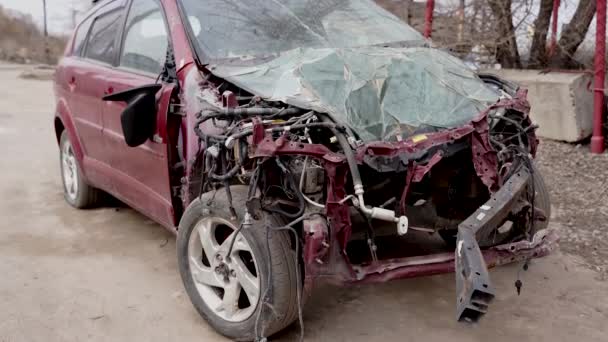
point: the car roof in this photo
(100, 4)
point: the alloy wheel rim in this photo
(70, 171)
(229, 286)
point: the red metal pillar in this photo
(597, 141)
(428, 18)
(553, 44)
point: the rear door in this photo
(140, 174)
(71, 74)
(93, 55)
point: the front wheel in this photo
(228, 288)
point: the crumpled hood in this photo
(381, 93)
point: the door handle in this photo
(72, 83)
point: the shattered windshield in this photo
(249, 28)
(347, 58)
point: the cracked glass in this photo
(348, 58)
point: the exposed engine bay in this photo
(359, 209)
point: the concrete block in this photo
(562, 103)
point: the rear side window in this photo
(145, 38)
(80, 36)
(102, 37)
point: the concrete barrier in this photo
(562, 103)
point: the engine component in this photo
(310, 174)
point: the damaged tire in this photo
(229, 292)
(76, 191)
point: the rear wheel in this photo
(75, 189)
(228, 288)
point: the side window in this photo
(79, 37)
(145, 39)
(101, 43)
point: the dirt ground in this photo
(111, 275)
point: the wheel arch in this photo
(59, 128)
(63, 122)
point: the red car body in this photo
(160, 178)
(94, 127)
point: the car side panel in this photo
(140, 174)
(63, 112)
(85, 82)
(79, 89)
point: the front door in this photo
(141, 174)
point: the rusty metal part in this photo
(474, 290)
(473, 285)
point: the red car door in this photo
(82, 82)
(83, 73)
(140, 175)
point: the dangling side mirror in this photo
(138, 119)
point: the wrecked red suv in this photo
(290, 142)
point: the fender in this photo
(64, 115)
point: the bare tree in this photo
(507, 53)
(493, 28)
(461, 18)
(573, 35)
(538, 50)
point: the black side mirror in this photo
(139, 118)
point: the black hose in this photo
(226, 176)
(229, 198)
(301, 200)
(234, 170)
(250, 193)
(347, 150)
(206, 161)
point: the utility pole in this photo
(47, 52)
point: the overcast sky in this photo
(60, 11)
